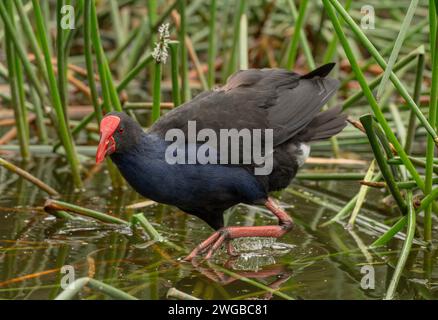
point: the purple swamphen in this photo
(287, 103)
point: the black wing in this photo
(256, 99)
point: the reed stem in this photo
(61, 59)
(64, 206)
(303, 39)
(31, 38)
(293, 47)
(212, 47)
(361, 197)
(185, 84)
(379, 59)
(63, 129)
(9, 27)
(410, 233)
(156, 91)
(174, 67)
(430, 148)
(174, 293)
(243, 42)
(74, 288)
(375, 82)
(369, 95)
(367, 122)
(349, 206)
(88, 52)
(412, 125)
(26, 175)
(17, 92)
(397, 46)
(147, 226)
(232, 63)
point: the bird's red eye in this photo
(121, 130)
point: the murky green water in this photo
(311, 262)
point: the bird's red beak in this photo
(107, 145)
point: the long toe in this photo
(216, 246)
(203, 246)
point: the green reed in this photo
(233, 55)
(17, 91)
(430, 149)
(212, 45)
(63, 129)
(298, 25)
(384, 132)
(174, 66)
(185, 85)
(158, 67)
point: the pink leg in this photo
(215, 241)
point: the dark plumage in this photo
(284, 101)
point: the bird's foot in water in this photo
(212, 244)
(215, 241)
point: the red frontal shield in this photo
(108, 126)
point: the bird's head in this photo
(118, 132)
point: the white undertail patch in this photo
(304, 154)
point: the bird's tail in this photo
(325, 125)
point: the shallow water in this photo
(311, 262)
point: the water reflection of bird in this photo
(287, 103)
(274, 276)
